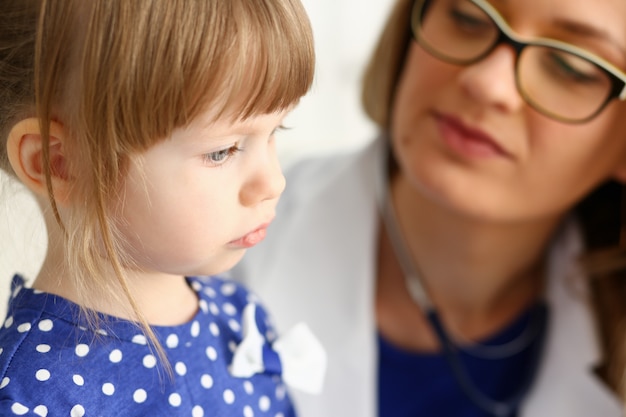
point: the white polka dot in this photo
(41, 410)
(140, 396)
(214, 309)
(196, 286)
(108, 388)
(204, 306)
(247, 411)
(211, 353)
(234, 325)
(270, 335)
(210, 292)
(232, 345)
(102, 332)
(280, 392)
(82, 350)
(206, 381)
(78, 380)
(172, 341)
(23, 328)
(77, 411)
(43, 348)
(115, 356)
(139, 339)
(229, 396)
(279, 415)
(228, 289)
(197, 411)
(229, 309)
(45, 325)
(1, 350)
(215, 331)
(175, 400)
(19, 409)
(8, 323)
(248, 387)
(5, 382)
(195, 329)
(181, 368)
(264, 403)
(42, 375)
(17, 290)
(149, 361)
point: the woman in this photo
(442, 265)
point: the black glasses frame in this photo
(507, 36)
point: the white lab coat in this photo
(317, 265)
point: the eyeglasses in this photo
(557, 79)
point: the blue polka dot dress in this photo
(51, 364)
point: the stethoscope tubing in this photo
(503, 408)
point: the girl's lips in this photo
(251, 239)
(466, 141)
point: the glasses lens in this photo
(456, 31)
(561, 84)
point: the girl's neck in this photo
(163, 299)
(471, 266)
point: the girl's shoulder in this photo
(50, 365)
(33, 322)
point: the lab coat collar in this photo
(566, 384)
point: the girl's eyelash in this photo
(220, 157)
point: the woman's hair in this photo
(385, 65)
(602, 213)
(121, 75)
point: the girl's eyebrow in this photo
(590, 31)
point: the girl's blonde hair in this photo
(121, 75)
(599, 213)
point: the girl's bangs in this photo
(144, 77)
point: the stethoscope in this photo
(538, 318)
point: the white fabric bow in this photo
(302, 358)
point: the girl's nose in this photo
(266, 182)
(491, 81)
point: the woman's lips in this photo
(250, 239)
(466, 141)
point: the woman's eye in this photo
(221, 156)
(469, 22)
(572, 69)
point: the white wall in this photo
(22, 235)
(328, 119)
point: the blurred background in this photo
(328, 119)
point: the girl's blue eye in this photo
(221, 156)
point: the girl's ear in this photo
(25, 152)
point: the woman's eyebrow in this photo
(584, 29)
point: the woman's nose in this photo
(266, 182)
(491, 81)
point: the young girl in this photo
(146, 130)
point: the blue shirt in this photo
(52, 364)
(422, 384)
